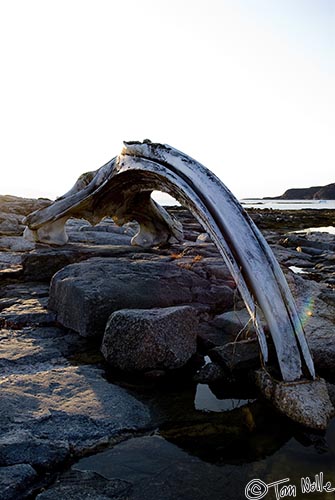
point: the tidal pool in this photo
(205, 447)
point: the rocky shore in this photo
(79, 322)
(311, 193)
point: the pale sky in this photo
(246, 87)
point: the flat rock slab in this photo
(37, 349)
(9, 260)
(99, 238)
(142, 339)
(16, 244)
(27, 311)
(85, 294)
(43, 262)
(87, 486)
(45, 416)
(23, 290)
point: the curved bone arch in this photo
(122, 189)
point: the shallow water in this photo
(205, 400)
(159, 469)
(289, 204)
(203, 447)
(298, 270)
(167, 200)
(311, 230)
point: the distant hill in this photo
(311, 193)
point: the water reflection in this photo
(235, 429)
(194, 454)
(205, 400)
(158, 469)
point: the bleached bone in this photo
(98, 194)
(122, 189)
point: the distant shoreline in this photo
(280, 204)
(247, 203)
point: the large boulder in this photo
(85, 294)
(148, 339)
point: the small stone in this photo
(203, 238)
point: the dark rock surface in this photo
(282, 221)
(237, 356)
(150, 339)
(15, 481)
(48, 415)
(84, 295)
(211, 372)
(42, 263)
(87, 486)
(29, 311)
(34, 349)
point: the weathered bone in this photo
(122, 189)
(98, 194)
